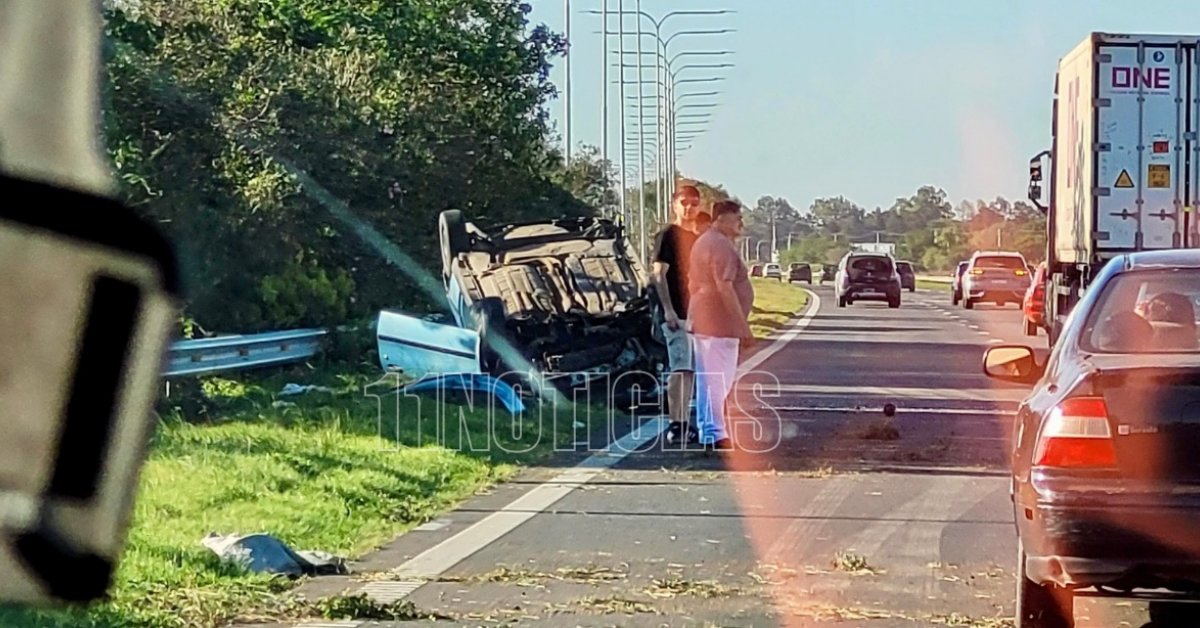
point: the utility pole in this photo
(641, 138)
(774, 242)
(621, 109)
(604, 101)
(567, 60)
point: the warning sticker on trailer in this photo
(1124, 180)
(1158, 176)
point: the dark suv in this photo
(867, 277)
(799, 272)
(908, 276)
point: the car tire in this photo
(1041, 606)
(954, 299)
(968, 304)
(453, 238)
(894, 302)
(841, 302)
(1030, 328)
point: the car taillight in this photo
(976, 271)
(1019, 273)
(1076, 435)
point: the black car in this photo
(908, 276)
(828, 272)
(956, 282)
(865, 276)
(799, 272)
(1105, 473)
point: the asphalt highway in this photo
(828, 511)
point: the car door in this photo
(418, 347)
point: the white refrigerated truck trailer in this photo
(1124, 158)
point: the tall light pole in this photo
(667, 126)
(567, 80)
(641, 143)
(604, 103)
(621, 47)
(663, 64)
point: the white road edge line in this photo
(438, 559)
(814, 305)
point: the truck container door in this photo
(1144, 95)
(1192, 152)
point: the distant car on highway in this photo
(997, 276)
(828, 272)
(908, 276)
(773, 271)
(863, 276)
(956, 283)
(799, 272)
(756, 270)
(1104, 450)
(1034, 304)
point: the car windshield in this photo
(1146, 312)
(1008, 262)
(904, 267)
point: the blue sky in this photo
(869, 99)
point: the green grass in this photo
(323, 470)
(775, 304)
(924, 284)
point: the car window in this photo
(874, 264)
(1000, 261)
(1146, 312)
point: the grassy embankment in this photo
(342, 470)
(775, 304)
(339, 470)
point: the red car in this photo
(1034, 303)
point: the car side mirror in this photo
(88, 300)
(1011, 363)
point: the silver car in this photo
(997, 276)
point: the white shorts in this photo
(716, 373)
(679, 348)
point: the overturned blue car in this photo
(565, 301)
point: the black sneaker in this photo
(679, 433)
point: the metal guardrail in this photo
(228, 353)
(946, 279)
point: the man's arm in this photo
(664, 294)
(662, 262)
(732, 305)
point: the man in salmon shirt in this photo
(719, 312)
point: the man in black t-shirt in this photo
(672, 252)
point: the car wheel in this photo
(841, 301)
(954, 299)
(969, 304)
(1030, 328)
(894, 302)
(1042, 606)
(452, 232)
